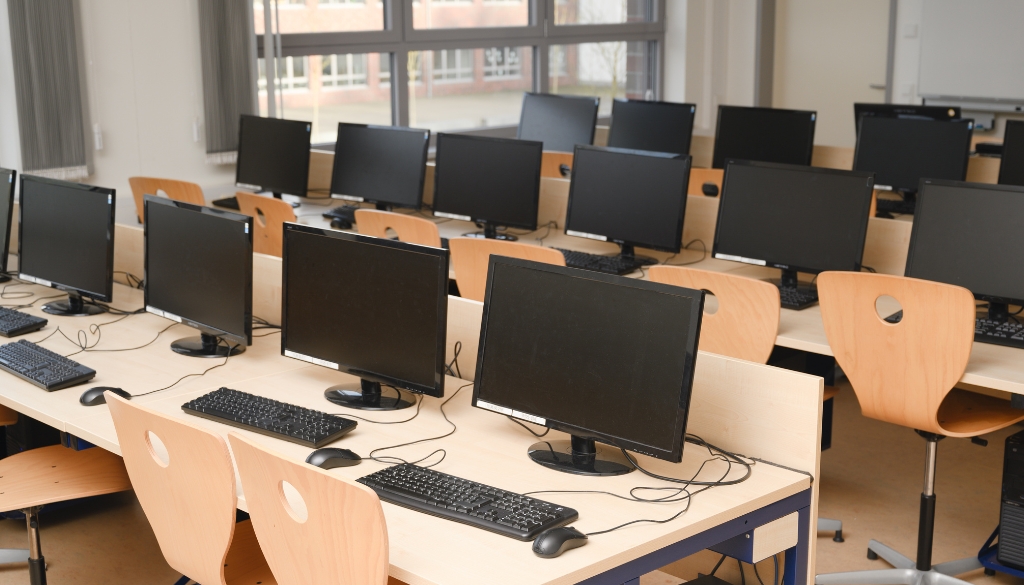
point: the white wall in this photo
(10, 150)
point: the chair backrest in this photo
(176, 190)
(470, 257)
(747, 320)
(900, 372)
(336, 535)
(268, 216)
(187, 492)
(414, 230)
(700, 176)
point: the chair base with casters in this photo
(830, 525)
(906, 571)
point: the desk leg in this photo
(797, 557)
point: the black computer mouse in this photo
(329, 458)
(565, 170)
(95, 397)
(552, 543)
(710, 189)
(338, 224)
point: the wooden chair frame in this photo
(470, 258)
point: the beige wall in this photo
(827, 54)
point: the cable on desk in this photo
(131, 280)
(231, 352)
(33, 302)
(24, 294)
(457, 349)
(528, 429)
(97, 333)
(397, 461)
(703, 254)
(417, 399)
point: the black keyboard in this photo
(608, 264)
(1009, 333)
(461, 500)
(270, 417)
(797, 298)
(14, 323)
(42, 367)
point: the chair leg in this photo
(36, 562)
(829, 525)
(183, 581)
(889, 555)
(13, 555)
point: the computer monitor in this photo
(655, 126)
(904, 111)
(1011, 167)
(962, 235)
(901, 152)
(764, 134)
(494, 182)
(273, 155)
(7, 178)
(633, 198)
(795, 218)
(370, 307)
(601, 357)
(66, 241)
(383, 165)
(559, 121)
(199, 273)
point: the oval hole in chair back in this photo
(157, 449)
(293, 502)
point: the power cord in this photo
(703, 254)
(399, 461)
(231, 351)
(457, 349)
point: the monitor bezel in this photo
(264, 188)
(775, 263)
(437, 390)
(718, 128)
(892, 111)
(1009, 124)
(5, 246)
(378, 200)
(522, 112)
(693, 117)
(967, 151)
(438, 194)
(921, 209)
(674, 454)
(105, 296)
(682, 217)
(244, 339)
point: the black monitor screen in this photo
(1011, 167)
(793, 217)
(370, 307)
(487, 180)
(908, 112)
(380, 164)
(66, 237)
(199, 267)
(902, 152)
(560, 122)
(628, 197)
(656, 126)
(594, 355)
(764, 134)
(962, 234)
(273, 155)
(7, 178)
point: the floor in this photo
(871, 480)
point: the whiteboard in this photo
(972, 49)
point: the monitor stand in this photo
(366, 396)
(889, 208)
(628, 252)
(4, 278)
(491, 233)
(800, 295)
(997, 312)
(205, 346)
(73, 307)
(580, 456)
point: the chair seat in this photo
(245, 563)
(969, 414)
(57, 474)
(830, 392)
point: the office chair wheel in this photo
(872, 555)
(990, 572)
(839, 538)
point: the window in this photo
(291, 74)
(311, 16)
(600, 11)
(438, 14)
(453, 66)
(502, 63)
(342, 2)
(608, 70)
(343, 71)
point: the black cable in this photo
(719, 564)
(417, 399)
(728, 457)
(703, 254)
(131, 280)
(457, 349)
(869, 269)
(33, 302)
(231, 351)
(756, 574)
(147, 344)
(393, 460)
(20, 294)
(531, 431)
(268, 334)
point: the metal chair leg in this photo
(36, 562)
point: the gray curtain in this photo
(50, 88)
(228, 47)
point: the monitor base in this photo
(580, 456)
(205, 346)
(628, 251)
(496, 236)
(4, 278)
(73, 307)
(366, 396)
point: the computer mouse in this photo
(95, 397)
(565, 170)
(330, 457)
(709, 189)
(341, 225)
(552, 543)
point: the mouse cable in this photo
(231, 351)
(21, 294)
(398, 461)
(97, 332)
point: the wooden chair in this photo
(745, 325)
(176, 190)
(700, 176)
(414, 230)
(268, 216)
(187, 490)
(470, 257)
(336, 536)
(31, 479)
(904, 374)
